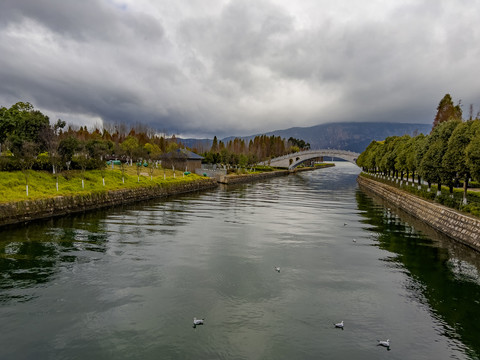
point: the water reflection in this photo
(443, 274)
(126, 282)
(29, 256)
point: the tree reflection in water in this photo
(29, 256)
(444, 274)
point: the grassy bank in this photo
(43, 184)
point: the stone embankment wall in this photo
(241, 179)
(458, 226)
(22, 211)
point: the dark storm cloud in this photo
(238, 67)
(84, 20)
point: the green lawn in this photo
(43, 184)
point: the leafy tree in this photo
(81, 158)
(21, 123)
(67, 148)
(380, 151)
(431, 164)
(472, 151)
(97, 149)
(420, 146)
(139, 154)
(387, 161)
(26, 154)
(153, 153)
(366, 160)
(402, 149)
(299, 142)
(129, 146)
(410, 154)
(455, 157)
(51, 141)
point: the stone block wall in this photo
(461, 227)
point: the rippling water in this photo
(125, 283)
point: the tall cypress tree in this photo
(447, 111)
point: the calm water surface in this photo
(125, 283)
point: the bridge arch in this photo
(291, 161)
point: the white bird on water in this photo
(385, 343)
(277, 269)
(197, 322)
(339, 325)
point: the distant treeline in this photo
(449, 155)
(261, 148)
(29, 141)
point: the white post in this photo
(123, 180)
(83, 185)
(27, 189)
(57, 185)
(103, 179)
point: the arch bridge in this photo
(291, 161)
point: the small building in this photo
(182, 159)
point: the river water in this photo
(126, 282)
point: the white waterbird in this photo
(197, 322)
(339, 325)
(385, 343)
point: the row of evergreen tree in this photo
(449, 155)
(260, 148)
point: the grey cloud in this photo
(236, 67)
(84, 20)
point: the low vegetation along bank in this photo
(42, 184)
(99, 189)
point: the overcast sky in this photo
(216, 67)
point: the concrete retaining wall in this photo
(458, 226)
(22, 211)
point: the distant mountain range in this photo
(353, 136)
